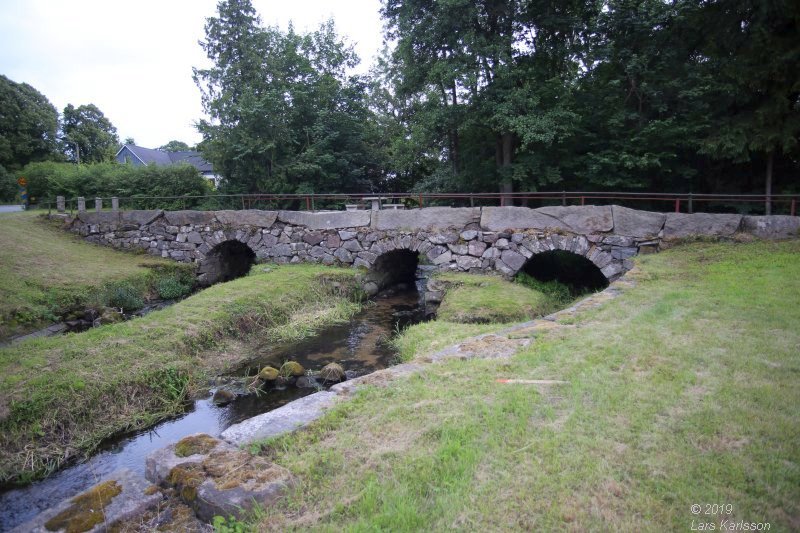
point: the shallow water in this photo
(359, 346)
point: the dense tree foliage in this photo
(503, 95)
(284, 114)
(89, 136)
(175, 146)
(622, 94)
(28, 125)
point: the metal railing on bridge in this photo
(675, 202)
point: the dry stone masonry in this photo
(499, 239)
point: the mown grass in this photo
(46, 273)
(486, 299)
(475, 304)
(684, 390)
(62, 396)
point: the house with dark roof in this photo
(138, 156)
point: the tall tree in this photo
(284, 115)
(753, 50)
(500, 71)
(28, 125)
(175, 146)
(90, 137)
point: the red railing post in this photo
(677, 205)
(583, 200)
(793, 208)
(308, 203)
(420, 200)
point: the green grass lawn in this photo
(487, 299)
(61, 396)
(44, 272)
(684, 390)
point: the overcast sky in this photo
(134, 60)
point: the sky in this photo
(134, 60)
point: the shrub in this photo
(125, 296)
(46, 180)
(171, 288)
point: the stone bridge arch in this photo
(520, 253)
(391, 268)
(230, 259)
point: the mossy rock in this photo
(109, 315)
(186, 478)
(223, 396)
(292, 369)
(86, 510)
(268, 373)
(332, 372)
(194, 444)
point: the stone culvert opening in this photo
(226, 261)
(574, 271)
(391, 268)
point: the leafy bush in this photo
(171, 288)
(125, 296)
(46, 180)
(8, 186)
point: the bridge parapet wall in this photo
(485, 239)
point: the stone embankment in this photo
(499, 239)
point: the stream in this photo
(360, 346)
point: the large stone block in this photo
(184, 218)
(140, 217)
(425, 219)
(103, 217)
(582, 219)
(249, 217)
(326, 219)
(285, 419)
(122, 495)
(510, 218)
(680, 225)
(635, 223)
(513, 259)
(215, 478)
(772, 227)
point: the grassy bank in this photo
(682, 391)
(473, 304)
(61, 396)
(45, 274)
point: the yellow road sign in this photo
(22, 182)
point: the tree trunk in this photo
(505, 153)
(768, 184)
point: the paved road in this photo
(10, 208)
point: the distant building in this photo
(138, 156)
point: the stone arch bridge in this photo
(490, 239)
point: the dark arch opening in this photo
(576, 272)
(393, 268)
(226, 261)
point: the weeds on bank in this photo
(62, 396)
